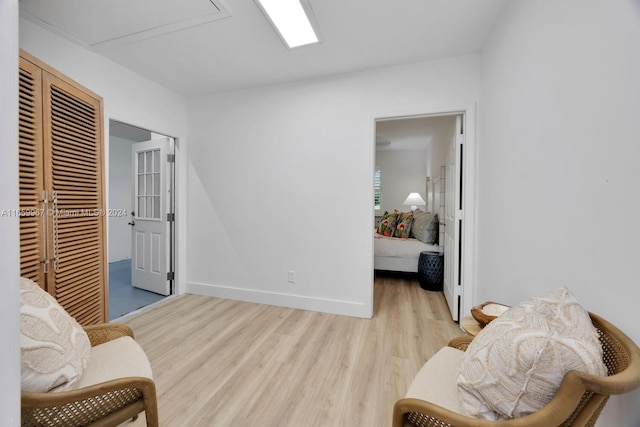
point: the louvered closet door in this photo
(73, 178)
(32, 238)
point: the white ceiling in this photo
(205, 46)
(128, 132)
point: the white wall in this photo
(9, 252)
(128, 98)
(120, 198)
(403, 172)
(281, 178)
(417, 149)
(558, 161)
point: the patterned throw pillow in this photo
(517, 362)
(54, 349)
(403, 227)
(388, 224)
(382, 225)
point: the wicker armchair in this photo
(108, 403)
(578, 402)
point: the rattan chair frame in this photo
(106, 404)
(577, 403)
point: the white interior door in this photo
(150, 228)
(453, 222)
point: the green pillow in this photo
(425, 227)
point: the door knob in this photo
(132, 223)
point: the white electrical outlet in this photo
(292, 276)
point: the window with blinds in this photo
(377, 189)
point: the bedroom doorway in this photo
(141, 191)
(402, 142)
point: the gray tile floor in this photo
(124, 298)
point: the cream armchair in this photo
(115, 387)
(578, 402)
(79, 376)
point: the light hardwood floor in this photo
(223, 363)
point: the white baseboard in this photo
(344, 308)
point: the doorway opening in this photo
(141, 200)
(427, 154)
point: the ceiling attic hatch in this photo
(129, 21)
(293, 20)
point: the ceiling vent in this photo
(128, 21)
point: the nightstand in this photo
(431, 270)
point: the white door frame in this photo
(469, 176)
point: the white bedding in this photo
(396, 254)
(401, 248)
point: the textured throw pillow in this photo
(517, 362)
(425, 227)
(388, 224)
(381, 224)
(54, 349)
(403, 227)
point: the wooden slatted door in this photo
(73, 153)
(71, 258)
(32, 210)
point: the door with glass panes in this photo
(150, 228)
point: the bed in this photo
(395, 253)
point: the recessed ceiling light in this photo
(291, 21)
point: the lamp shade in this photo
(414, 200)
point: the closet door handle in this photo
(45, 230)
(54, 209)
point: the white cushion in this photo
(119, 358)
(54, 349)
(517, 362)
(436, 380)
